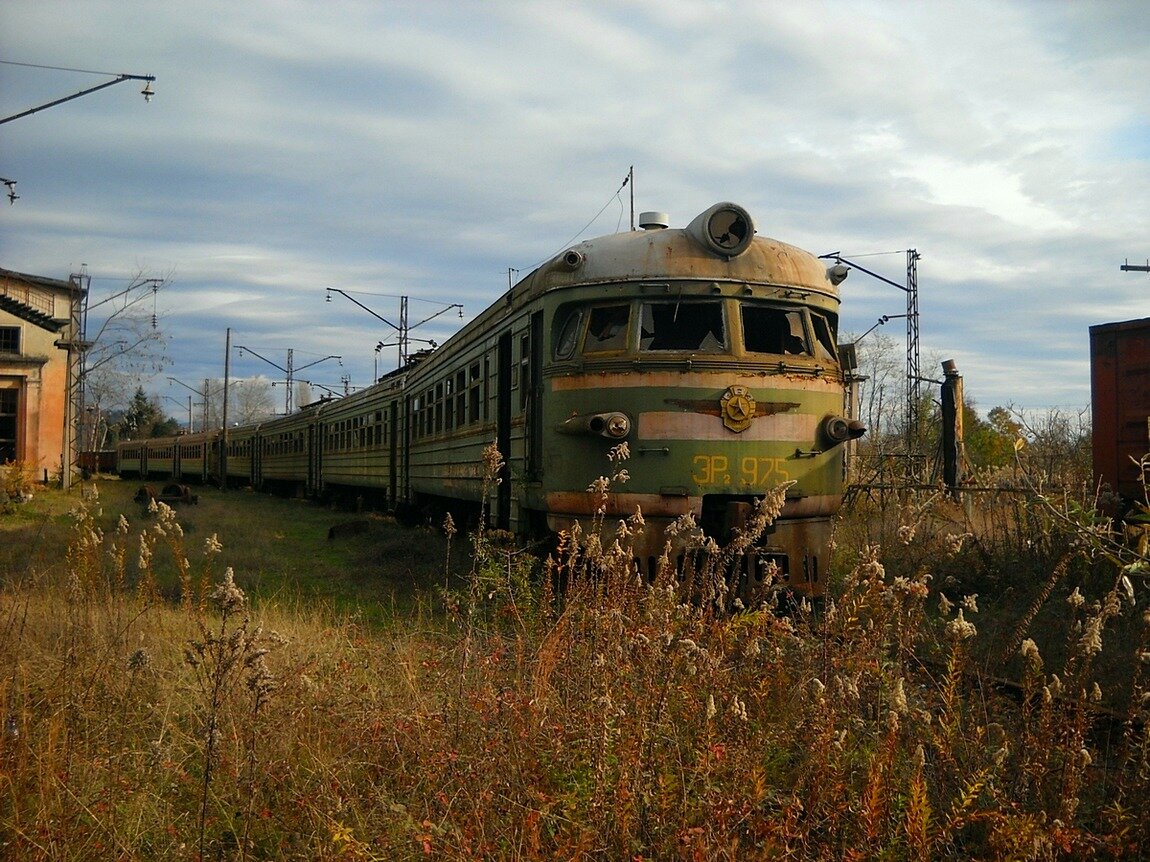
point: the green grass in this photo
(277, 547)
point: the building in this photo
(39, 366)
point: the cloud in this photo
(424, 149)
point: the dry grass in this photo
(623, 720)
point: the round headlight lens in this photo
(618, 425)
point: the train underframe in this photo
(791, 553)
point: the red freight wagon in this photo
(1120, 398)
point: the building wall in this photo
(38, 371)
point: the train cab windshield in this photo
(782, 332)
(773, 330)
(607, 328)
(693, 326)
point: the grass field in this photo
(278, 547)
(271, 694)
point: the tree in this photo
(144, 418)
(989, 441)
(252, 400)
(881, 392)
(123, 344)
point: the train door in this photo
(533, 402)
(405, 467)
(503, 430)
(393, 451)
(257, 460)
(313, 459)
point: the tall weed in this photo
(573, 709)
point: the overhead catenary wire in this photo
(56, 68)
(615, 197)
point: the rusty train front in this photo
(712, 353)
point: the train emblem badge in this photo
(738, 408)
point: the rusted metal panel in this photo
(651, 379)
(1120, 402)
(790, 428)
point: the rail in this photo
(29, 296)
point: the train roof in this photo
(720, 244)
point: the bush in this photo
(17, 481)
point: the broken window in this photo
(774, 330)
(693, 326)
(568, 332)
(607, 329)
(824, 340)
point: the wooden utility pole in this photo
(953, 448)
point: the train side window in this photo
(694, 326)
(567, 337)
(473, 394)
(774, 330)
(486, 388)
(525, 370)
(461, 398)
(607, 328)
(824, 340)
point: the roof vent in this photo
(653, 221)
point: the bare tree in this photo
(880, 393)
(1057, 444)
(122, 344)
(252, 400)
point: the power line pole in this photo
(1134, 267)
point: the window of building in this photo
(693, 326)
(9, 403)
(9, 339)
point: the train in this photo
(709, 350)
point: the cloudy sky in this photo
(423, 149)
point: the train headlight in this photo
(837, 430)
(725, 229)
(613, 426)
(618, 426)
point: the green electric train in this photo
(709, 350)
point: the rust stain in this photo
(591, 379)
(582, 504)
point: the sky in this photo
(424, 149)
